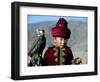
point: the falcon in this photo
(36, 47)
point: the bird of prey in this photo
(36, 47)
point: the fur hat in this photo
(61, 29)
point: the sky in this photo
(41, 18)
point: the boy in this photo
(59, 53)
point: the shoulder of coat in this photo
(66, 47)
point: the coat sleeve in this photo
(69, 56)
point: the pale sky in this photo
(41, 18)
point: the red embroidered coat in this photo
(58, 56)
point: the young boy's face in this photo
(59, 42)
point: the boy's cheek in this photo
(59, 45)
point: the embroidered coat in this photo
(58, 56)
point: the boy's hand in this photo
(77, 61)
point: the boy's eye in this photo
(61, 39)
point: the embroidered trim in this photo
(62, 54)
(56, 53)
(56, 60)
